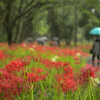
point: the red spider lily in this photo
(1, 55)
(66, 64)
(86, 72)
(37, 70)
(68, 84)
(68, 72)
(33, 77)
(28, 58)
(51, 64)
(36, 59)
(77, 62)
(16, 65)
(4, 74)
(3, 44)
(66, 81)
(10, 84)
(76, 58)
(60, 64)
(96, 61)
(43, 77)
(47, 63)
(60, 51)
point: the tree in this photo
(18, 10)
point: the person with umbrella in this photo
(29, 40)
(95, 51)
(56, 41)
(42, 40)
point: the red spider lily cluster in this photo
(66, 80)
(11, 84)
(33, 77)
(60, 51)
(16, 65)
(1, 55)
(51, 64)
(15, 78)
(87, 72)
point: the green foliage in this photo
(52, 17)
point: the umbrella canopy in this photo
(55, 38)
(95, 31)
(29, 40)
(44, 38)
(39, 39)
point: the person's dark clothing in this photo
(96, 47)
(95, 50)
(93, 58)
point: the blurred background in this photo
(64, 21)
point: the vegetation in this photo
(54, 70)
(68, 19)
(44, 73)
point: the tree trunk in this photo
(19, 31)
(75, 24)
(7, 23)
(9, 38)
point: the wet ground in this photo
(89, 61)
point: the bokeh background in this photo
(69, 20)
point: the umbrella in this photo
(39, 39)
(29, 40)
(44, 38)
(55, 38)
(95, 31)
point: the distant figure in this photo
(29, 40)
(55, 41)
(63, 42)
(41, 41)
(55, 38)
(96, 50)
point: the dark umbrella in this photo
(29, 40)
